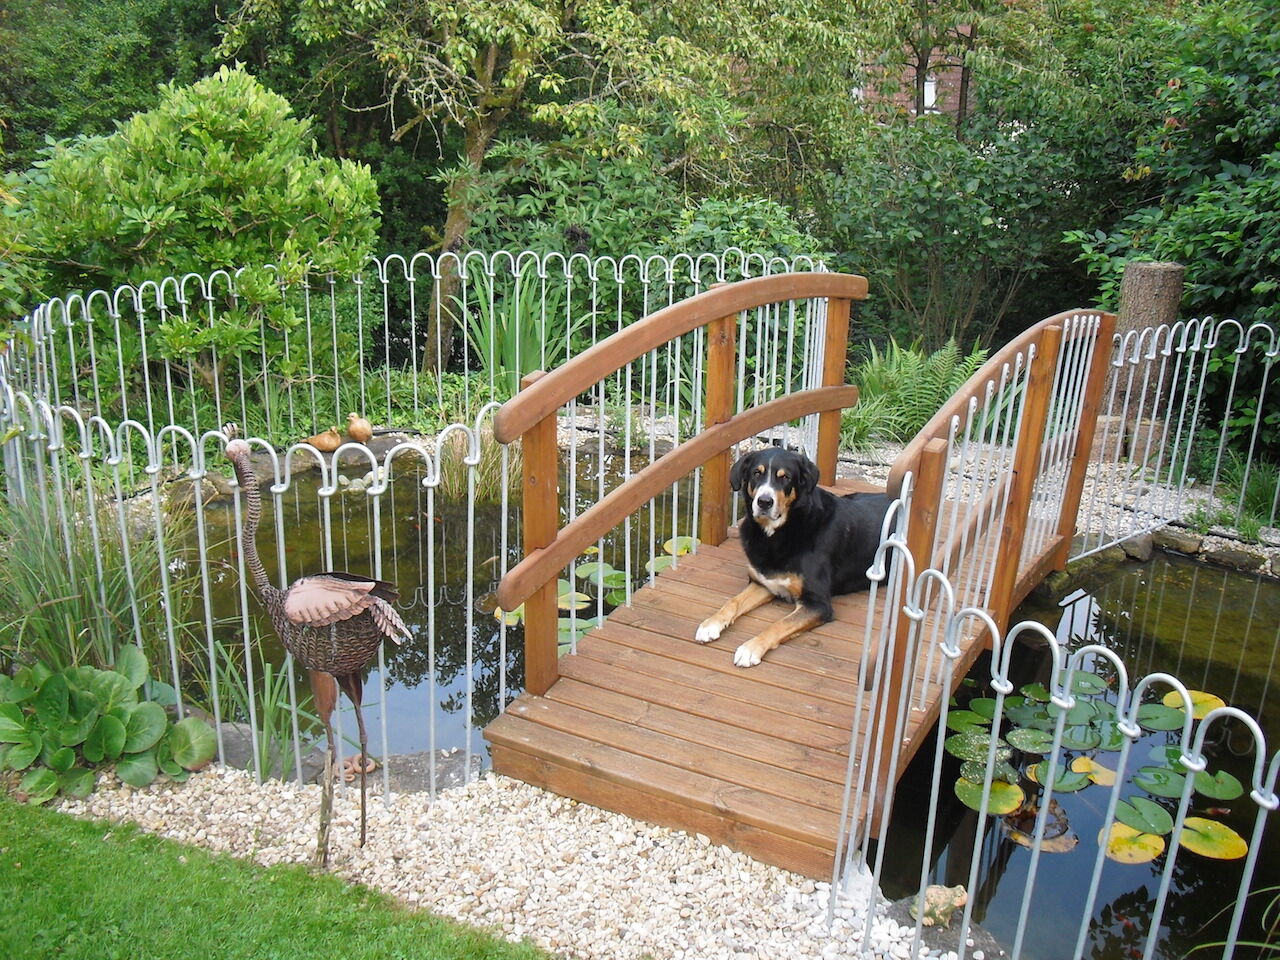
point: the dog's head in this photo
(771, 481)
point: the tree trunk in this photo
(1150, 295)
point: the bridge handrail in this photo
(939, 426)
(543, 398)
(542, 564)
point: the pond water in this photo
(1216, 630)
(445, 559)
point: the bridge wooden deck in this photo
(647, 722)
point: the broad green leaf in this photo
(1160, 781)
(13, 692)
(1030, 741)
(984, 707)
(1085, 684)
(77, 782)
(1126, 845)
(39, 785)
(137, 769)
(1004, 798)
(1145, 816)
(163, 693)
(1067, 781)
(962, 720)
(1209, 838)
(62, 760)
(1156, 716)
(73, 733)
(13, 725)
(1081, 737)
(1036, 691)
(105, 740)
(146, 725)
(976, 771)
(51, 702)
(1201, 702)
(1217, 786)
(113, 690)
(23, 755)
(131, 663)
(1102, 776)
(972, 744)
(193, 743)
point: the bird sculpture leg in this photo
(353, 687)
(325, 691)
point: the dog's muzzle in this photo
(764, 505)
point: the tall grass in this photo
(66, 595)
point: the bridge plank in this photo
(700, 702)
(760, 774)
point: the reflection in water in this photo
(446, 558)
(1216, 630)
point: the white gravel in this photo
(500, 854)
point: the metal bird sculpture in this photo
(333, 623)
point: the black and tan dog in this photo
(803, 544)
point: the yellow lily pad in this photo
(1102, 776)
(1127, 845)
(509, 617)
(1201, 702)
(1004, 797)
(1209, 838)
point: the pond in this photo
(445, 558)
(1216, 630)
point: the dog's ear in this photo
(807, 475)
(738, 475)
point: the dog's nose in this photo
(764, 502)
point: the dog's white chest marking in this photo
(786, 587)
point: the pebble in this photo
(501, 854)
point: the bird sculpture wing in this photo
(327, 598)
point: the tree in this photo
(669, 80)
(219, 175)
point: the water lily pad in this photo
(1145, 816)
(679, 546)
(962, 720)
(1031, 715)
(1067, 781)
(509, 617)
(1109, 736)
(1081, 712)
(1085, 684)
(1020, 827)
(972, 744)
(1003, 798)
(1167, 756)
(1081, 737)
(1030, 741)
(1036, 691)
(593, 571)
(1156, 716)
(573, 600)
(1097, 773)
(976, 770)
(1201, 702)
(1209, 838)
(984, 707)
(1217, 786)
(1126, 845)
(1160, 781)
(658, 564)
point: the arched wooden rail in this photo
(645, 721)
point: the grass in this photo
(73, 889)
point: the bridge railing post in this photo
(1086, 429)
(922, 527)
(835, 350)
(1026, 459)
(541, 498)
(713, 514)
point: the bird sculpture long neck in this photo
(249, 530)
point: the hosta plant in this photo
(58, 727)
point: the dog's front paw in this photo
(709, 630)
(746, 655)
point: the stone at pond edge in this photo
(1138, 548)
(1234, 558)
(944, 939)
(1179, 540)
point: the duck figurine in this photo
(326, 441)
(358, 428)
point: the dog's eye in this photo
(782, 474)
(760, 469)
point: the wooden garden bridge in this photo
(645, 721)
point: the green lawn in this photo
(71, 889)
